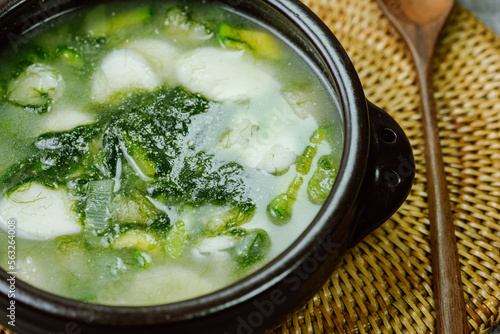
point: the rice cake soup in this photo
(153, 153)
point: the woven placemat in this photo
(384, 285)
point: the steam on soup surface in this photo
(155, 153)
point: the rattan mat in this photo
(384, 285)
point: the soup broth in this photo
(156, 152)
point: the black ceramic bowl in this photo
(374, 179)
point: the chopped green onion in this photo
(320, 135)
(176, 239)
(304, 161)
(322, 180)
(252, 247)
(279, 210)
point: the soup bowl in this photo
(373, 180)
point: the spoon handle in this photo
(447, 282)
(420, 23)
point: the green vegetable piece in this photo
(231, 219)
(251, 248)
(98, 22)
(203, 180)
(178, 18)
(179, 23)
(70, 57)
(151, 126)
(131, 18)
(36, 88)
(62, 150)
(258, 42)
(322, 180)
(55, 156)
(136, 239)
(132, 209)
(161, 225)
(29, 57)
(176, 239)
(97, 203)
(8, 126)
(279, 210)
(142, 259)
(138, 155)
(320, 135)
(304, 161)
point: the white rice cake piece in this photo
(266, 134)
(162, 56)
(302, 104)
(162, 284)
(65, 118)
(121, 71)
(239, 134)
(223, 75)
(40, 213)
(277, 160)
(39, 84)
(213, 244)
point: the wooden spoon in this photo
(420, 23)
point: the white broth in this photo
(170, 146)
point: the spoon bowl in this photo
(422, 11)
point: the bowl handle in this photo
(388, 177)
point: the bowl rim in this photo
(336, 208)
